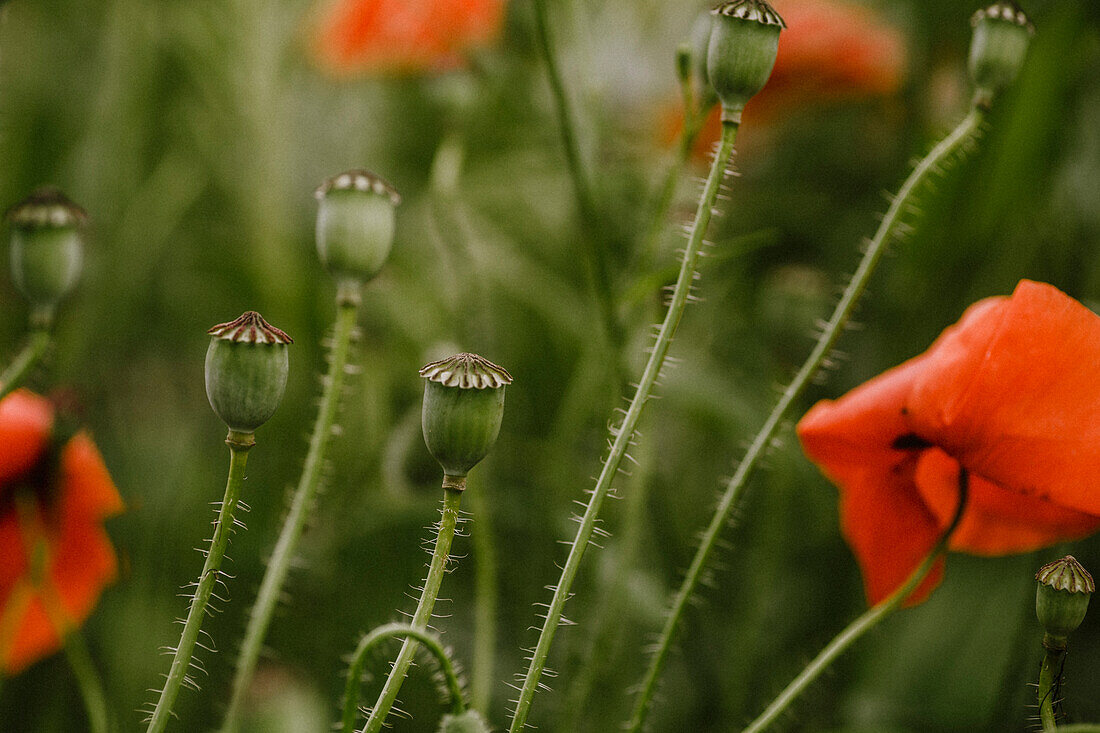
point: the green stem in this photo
(16, 373)
(732, 494)
(1050, 675)
(391, 631)
(88, 681)
(423, 614)
(1079, 728)
(485, 604)
(870, 618)
(599, 255)
(239, 446)
(279, 566)
(624, 434)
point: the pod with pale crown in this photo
(998, 48)
(741, 52)
(246, 371)
(355, 225)
(1062, 596)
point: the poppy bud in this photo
(1002, 33)
(744, 42)
(700, 45)
(463, 407)
(467, 722)
(1062, 597)
(47, 248)
(246, 369)
(684, 61)
(355, 223)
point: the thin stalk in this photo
(624, 434)
(485, 604)
(430, 591)
(870, 618)
(730, 497)
(278, 567)
(392, 631)
(1050, 675)
(88, 681)
(16, 372)
(239, 446)
(599, 255)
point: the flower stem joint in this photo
(1002, 33)
(47, 249)
(463, 408)
(744, 43)
(1062, 598)
(246, 372)
(355, 226)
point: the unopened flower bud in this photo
(463, 407)
(744, 43)
(700, 45)
(355, 224)
(1002, 33)
(1062, 597)
(684, 62)
(246, 370)
(47, 249)
(467, 722)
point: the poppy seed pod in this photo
(246, 370)
(998, 48)
(355, 224)
(463, 407)
(467, 722)
(1062, 596)
(47, 248)
(744, 43)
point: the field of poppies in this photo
(601, 365)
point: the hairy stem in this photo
(16, 372)
(870, 618)
(1050, 675)
(430, 591)
(400, 631)
(270, 588)
(965, 131)
(239, 446)
(625, 432)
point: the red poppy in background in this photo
(55, 557)
(1011, 393)
(402, 36)
(832, 50)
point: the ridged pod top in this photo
(755, 10)
(46, 207)
(466, 371)
(250, 328)
(359, 179)
(1066, 574)
(1004, 10)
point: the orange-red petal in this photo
(25, 422)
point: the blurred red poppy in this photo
(1011, 393)
(401, 36)
(832, 50)
(55, 557)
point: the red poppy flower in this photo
(53, 499)
(832, 50)
(386, 36)
(1011, 393)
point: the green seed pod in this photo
(355, 223)
(47, 248)
(467, 722)
(246, 369)
(1062, 596)
(998, 48)
(463, 407)
(744, 43)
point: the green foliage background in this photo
(194, 134)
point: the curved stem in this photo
(394, 631)
(279, 566)
(625, 432)
(181, 661)
(430, 591)
(1050, 675)
(870, 618)
(730, 497)
(16, 372)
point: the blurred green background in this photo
(195, 132)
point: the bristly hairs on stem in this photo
(956, 143)
(623, 434)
